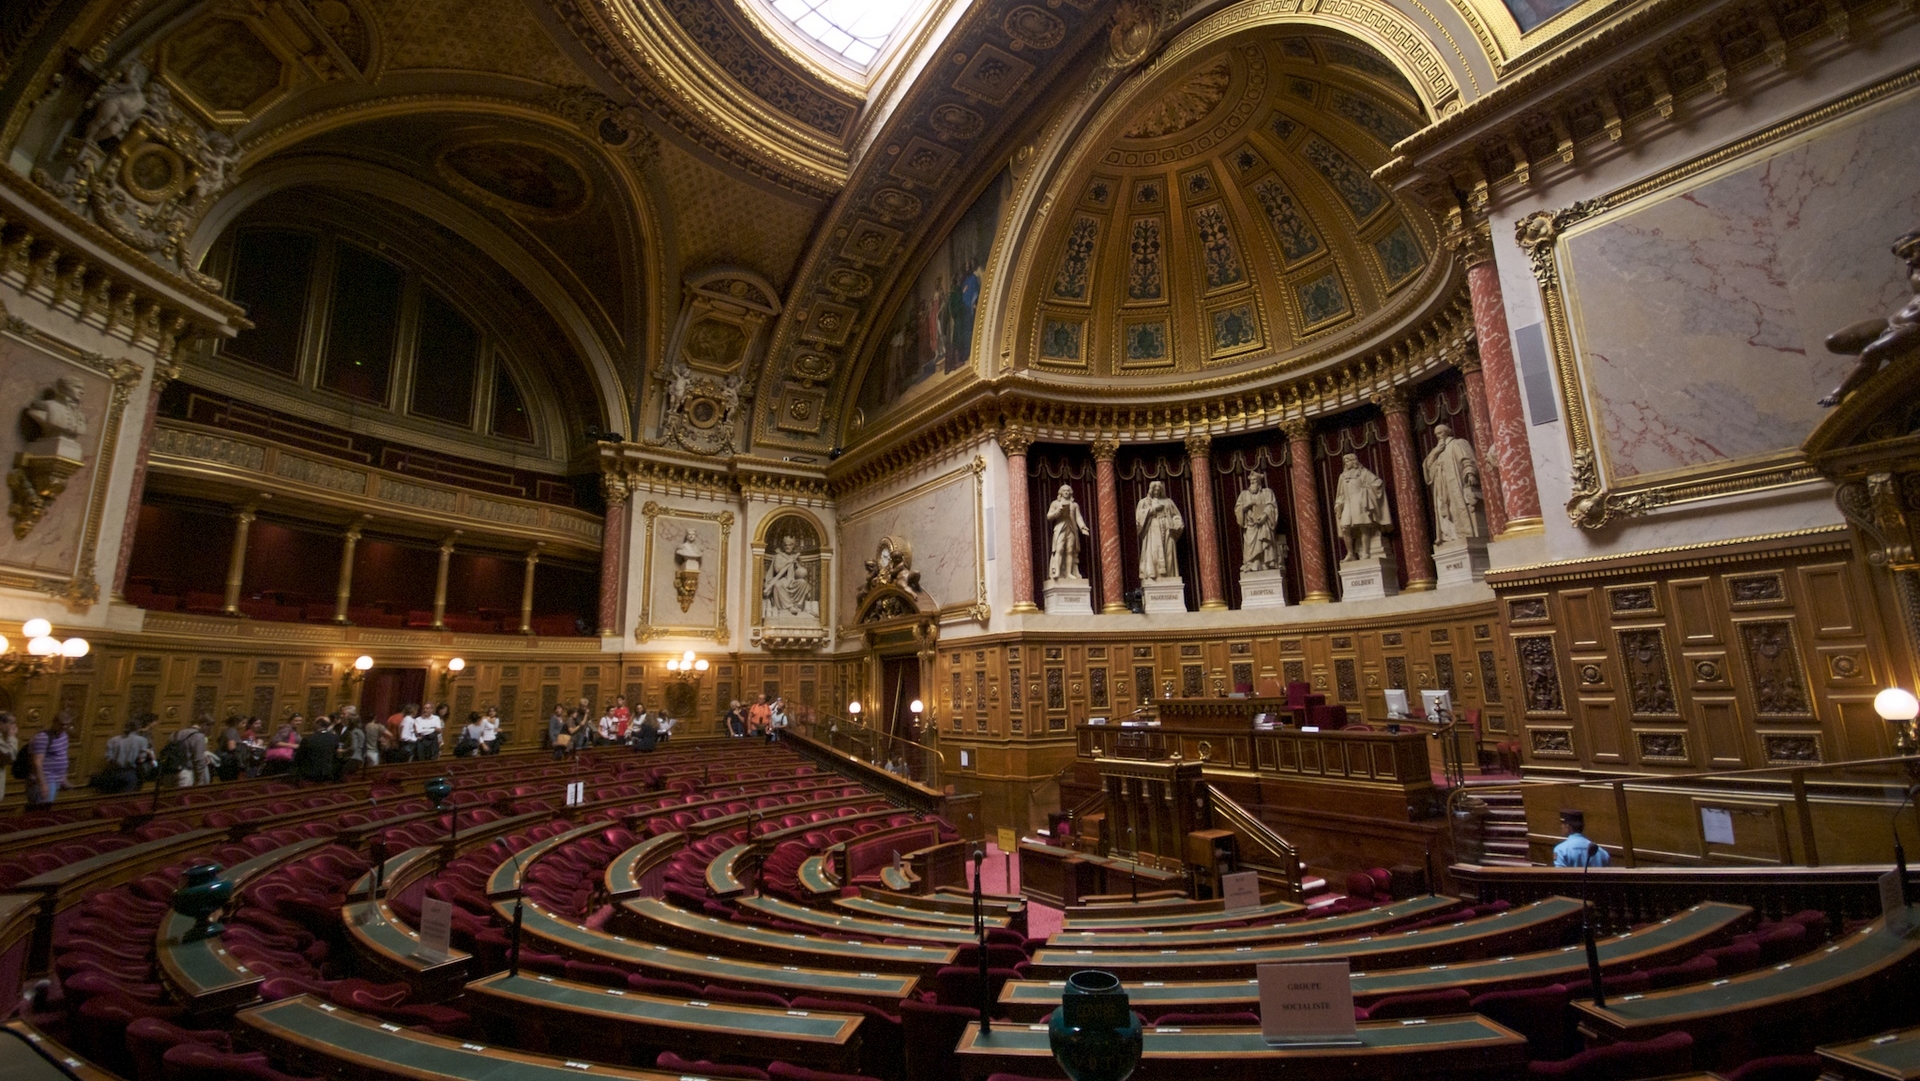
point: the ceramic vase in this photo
(1094, 1034)
(202, 893)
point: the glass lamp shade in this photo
(362, 663)
(853, 708)
(4, 644)
(44, 646)
(673, 666)
(1896, 704)
(916, 705)
(36, 628)
(458, 664)
(74, 648)
(700, 665)
(438, 790)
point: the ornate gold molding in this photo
(1819, 540)
(646, 630)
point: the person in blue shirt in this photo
(1577, 850)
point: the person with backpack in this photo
(129, 754)
(472, 738)
(47, 761)
(185, 755)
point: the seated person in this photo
(1577, 850)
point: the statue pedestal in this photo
(1263, 589)
(1163, 595)
(1460, 563)
(1067, 596)
(1369, 579)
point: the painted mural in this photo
(932, 332)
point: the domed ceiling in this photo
(1230, 222)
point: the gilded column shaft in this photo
(350, 541)
(440, 583)
(1309, 534)
(1490, 487)
(1206, 535)
(526, 591)
(1113, 582)
(1019, 522)
(237, 560)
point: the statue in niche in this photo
(1360, 510)
(1160, 525)
(1069, 525)
(1878, 342)
(1453, 476)
(1262, 548)
(686, 569)
(787, 588)
(51, 458)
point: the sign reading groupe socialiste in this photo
(1307, 1003)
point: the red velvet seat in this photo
(1539, 1013)
(1421, 1004)
(1669, 1054)
(930, 1032)
(1185, 1019)
(782, 1071)
(200, 1062)
(150, 1038)
(1779, 1067)
(702, 1068)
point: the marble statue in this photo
(51, 458)
(116, 105)
(686, 569)
(1360, 509)
(788, 585)
(1069, 525)
(1880, 341)
(1160, 525)
(1453, 476)
(1262, 547)
(61, 423)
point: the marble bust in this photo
(688, 553)
(1160, 525)
(1360, 509)
(60, 421)
(1068, 526)
(1453, 476)
(1258, 512)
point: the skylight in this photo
(855, 31)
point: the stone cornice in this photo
(637, 468)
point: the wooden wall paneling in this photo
(1725, 739)
(1600, 724)
(1694, 612)
(1828, 599)
(1580, 615)
(1859, 730)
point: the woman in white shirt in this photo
(490, 731)
(609, 727)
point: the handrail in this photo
(1261, 835)
(1766, 777)
(899, 756)
(1625, 897)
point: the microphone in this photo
(519, 914)
(1586, 932)
(1899, 851)
(980, 929)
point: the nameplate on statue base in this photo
(1162, 595)
(1263, 589)
(1369, 579)
(1067, 596)
(1460, 562)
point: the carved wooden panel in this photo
(1192, 680)
(1667, 748)
(1643, 655)
(1778, 681)
(1539, 674)
(1443, 670)
(317, 702)
(1489, 677)
(1143, 683)
(1396, 674)
(1829, 591)
(1523, 610)
(1634, 601)
(1346, 679)
(1294, 672)
(1551, 742)
(1790, 750)
(1097, 688)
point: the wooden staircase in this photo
(1506, 826)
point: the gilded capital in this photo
(1471, 242)
(1392, 401)
(1298, 429)
(1199, 446)
(615, 487)
(1104, 448)
(1013, 442)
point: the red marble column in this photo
(1019, 521)
(1489, 471)
(1506, 433)
(1309, 537)
(1415, 538)
(613, 553)
(161, 377)
(1206, 536)
(1113, 581)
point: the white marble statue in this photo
(1453, 476)
(1069, 525)
(1360, 509)
(787, 587)
(687, 556)
(116, 105)
(1258, 512)
(1160, 525)
(61, 422)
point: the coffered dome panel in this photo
(1229, 223)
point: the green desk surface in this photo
(1683, 931)
(623, 873)
(377, 931)
(203, 970)
(505, 880)
(58, 1061)
(878, 988)
(1429, 944)
(814, 877)
(749, 939)
(1856, 956)
(895, 878)
(1894, 1055)
(880, 910)
(613, 1005)
(1087, 917)
(723, 873)
(320, 1032)
(395, 865)
(1457, 1046)
(813, 917)
(1317, 928)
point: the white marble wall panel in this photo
(940, 517)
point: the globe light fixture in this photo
(36, 628)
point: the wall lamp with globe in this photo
(43, 653)
(1899, 708)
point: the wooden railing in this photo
(1262, 849)
(1624, 897)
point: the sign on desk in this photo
(436, 930)
(576, 793)
(1307, 1004)
(1241, 890)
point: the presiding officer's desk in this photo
(1889, 1056)
(608, 1023)
(1664, 942)
(1527, 927)
(1856, 985)
(1459, 1048)
(319, 1037)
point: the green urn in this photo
(1094, 1034)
